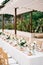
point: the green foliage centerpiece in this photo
(22, 42)
(8, 37)
(0, 33)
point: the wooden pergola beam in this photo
(2, 6)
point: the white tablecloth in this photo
(22, 58)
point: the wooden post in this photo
(2, 23)
(15, 21)
(21, 21)
(42, 28)
(31, 22)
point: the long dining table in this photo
(21, 57)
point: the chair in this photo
(1, 57)
(39, 45)
(1, 50)
(5, 57)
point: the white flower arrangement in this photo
(7, 37)
(22, 42)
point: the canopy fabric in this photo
(10, 9)
(30, 4)
(38, 5)
(22, 5)
(7, 9)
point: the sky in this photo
(1, 1)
